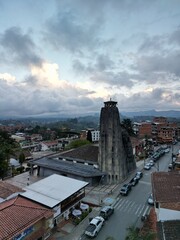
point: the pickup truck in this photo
(94, 226)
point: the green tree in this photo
(7, 148)
(135, 234)
(21, 158)
(3, 165)
(127, 124)
(89, 136)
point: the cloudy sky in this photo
(66, 57)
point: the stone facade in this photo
(115, 149)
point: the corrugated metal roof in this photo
(78, 169)
(54, 189)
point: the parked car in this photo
(171, 165)
(134, 181)
(125, 189)
(147, 166)
(166, 150)
(150, 199)
(106, 212)
(139, 175)
(94, 226)
(156, 156)
(151, 162)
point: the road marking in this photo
(124, 205)
(117, 203)
(131, 207)
(121, 202)
(146, 210)
(147, 183)
(138, 209)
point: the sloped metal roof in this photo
(78, 169)
(52, 190)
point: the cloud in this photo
(7, 77)
(44, 93)
(159, 97)
(153, 44)
(159, 64)
(175, 37)
(66, 32)
(19, 48)
(103, 70)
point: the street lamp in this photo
(102, 178)
(172, 155)
(157, 166)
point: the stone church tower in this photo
(115, 150)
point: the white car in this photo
(166, 150)
(150, 199)
(147, 166)
(151, 162)
(94, 226)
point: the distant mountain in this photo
(154, 113)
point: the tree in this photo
(7, 146)
(3, 165)
(89, 136)
(127, 124)
(21, 158)
(135, 234)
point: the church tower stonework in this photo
(115, 150)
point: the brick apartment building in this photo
(160, 130)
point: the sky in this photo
(67, 57)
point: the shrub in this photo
(20, 169)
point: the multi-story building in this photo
(166, 134)
(145, 129)
(95, 135)
(160, 130)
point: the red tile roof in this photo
(166, 187)
(18, 214)
(7, 189)
(169, 230)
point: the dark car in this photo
(106, 212)
(139, 175)
(125, 189)
(134, 181)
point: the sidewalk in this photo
(68, 231)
